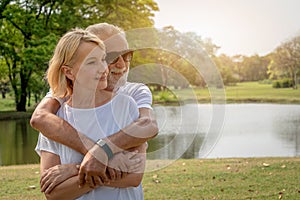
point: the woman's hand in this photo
(56, 175)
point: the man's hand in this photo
(123, 163)
(93, 168)
(56, 175)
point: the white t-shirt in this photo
(96, 123)
(138, 91)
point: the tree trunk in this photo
(21, 105)
(295, 81)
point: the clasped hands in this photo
(95, 169)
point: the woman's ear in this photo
(68, 72)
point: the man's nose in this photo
(120, 63)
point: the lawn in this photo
(246, 92)
(238, 178)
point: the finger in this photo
(92, 183)
(111, 173)
(49, 188)
(135, 168)
(123, 167)
(81, 177)
(89, 180)
(118, 174)
(131, 154)
(44, 178)
(124, 174)
(104, 178)
(133, 162)
(45, 185)
(97, 181)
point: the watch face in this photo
(101, 142)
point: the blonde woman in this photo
(78, 71)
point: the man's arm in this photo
(135, 134)
(57, 129)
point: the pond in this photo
(191, 131)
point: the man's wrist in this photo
(102, 143)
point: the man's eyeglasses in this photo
(113, 57)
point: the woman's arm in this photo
(68, 175)
(68, 189)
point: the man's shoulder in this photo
(132, 87)
(134, 84)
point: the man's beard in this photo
(114, 83)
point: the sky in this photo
(244, 27)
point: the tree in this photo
(254, 68)
(226, 66)
(286, 60)
(30, 29)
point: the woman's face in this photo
(90, 68)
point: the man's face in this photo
(118, 65)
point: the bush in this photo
(283, 83)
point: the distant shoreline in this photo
(13, 115)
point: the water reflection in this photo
(250, 130)
(182, 146)
(17, 142)
(259, 130)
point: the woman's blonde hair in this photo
(104, 30)
(65, 55)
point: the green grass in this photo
(239, 178)
(256, 92)
(226, 179)
(246, 92)
(7, 104)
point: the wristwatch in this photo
(106, 148)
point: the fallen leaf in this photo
(156, 181)
(31, 187)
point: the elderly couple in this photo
(94, 123)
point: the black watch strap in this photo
(106, 148)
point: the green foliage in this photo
(283, 83)
(30, 29)
(286, 61)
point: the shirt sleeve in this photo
(60, 100)
(45, 144)
(143, 96)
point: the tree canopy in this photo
(29, 30)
